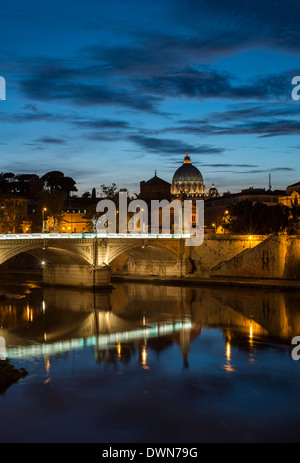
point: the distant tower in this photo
(270, 186)
(213, 192)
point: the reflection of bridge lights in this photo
(103, 341)
(119, 349)
(228, 350)
(29, 313)
(2, 348)
(44, 306)
(228, 367)
(251, 354)
(144, 356)
(251, 332)
(47, 364)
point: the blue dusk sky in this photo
(112, 91)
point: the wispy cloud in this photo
(164, 146)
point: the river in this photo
(149, 363)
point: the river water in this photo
(149, 363)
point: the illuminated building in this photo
(187, 181)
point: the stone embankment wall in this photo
(216, 249)
(277, 256)
(258, 256)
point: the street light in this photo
(44, 221)
(214, 225)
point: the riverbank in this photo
(9, 375)
(196, 281)
(279, 284)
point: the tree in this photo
(90, 216)
(6, 182)
(10, 216)
(294, 226)
(53, 202)
(109, 192)
(249, 218)
(22, 184)
(57, 180)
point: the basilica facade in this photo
(187, 183)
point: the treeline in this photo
(248, 218)
(30, 185)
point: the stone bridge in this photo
(87, 260)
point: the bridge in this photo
(88, 259)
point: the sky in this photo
(112, 91)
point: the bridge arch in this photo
(147, 250)
(148, 259)
(53, 253)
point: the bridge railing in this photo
(34, 236)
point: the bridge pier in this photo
(79, 276)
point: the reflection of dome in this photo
(187, 180)
(213, 192)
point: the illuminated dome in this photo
(213, 192)
(187, 180)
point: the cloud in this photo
(101, 124)
(205, 82)
(257, 171)
(141, 76)
(82, 86)
(164, 146)
(245, 111)
(50, 141)
(243, 119)
(228, 165)
(93, 128)
(226, 27)
(45, 141)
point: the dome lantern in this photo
(187, 159)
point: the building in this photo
(187, 181)
(213, 192)
(289, 200)
(291, 188)
(78, 214)
(13, 214)
(216, 207)
(155, 188)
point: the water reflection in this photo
(150, 362)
